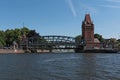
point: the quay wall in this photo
(11, 51)
(63, 50)
(56, 50)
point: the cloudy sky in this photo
(61, 17)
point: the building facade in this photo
(88, 33)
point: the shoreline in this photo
(20, 51)
(11, 51)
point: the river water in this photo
(60, 66)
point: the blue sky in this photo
(61, 17)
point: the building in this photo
(88, 33)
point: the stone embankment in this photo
(11, 51)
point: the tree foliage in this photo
(2, 38)
(8, 36)
(78, 39)
(33, 33)
(100, 38)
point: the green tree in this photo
(2, 39)
(100, 38)
(9, 37)
(33, 33)
(25, 31)
(78, 39)
(17, 35)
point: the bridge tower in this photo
(88, 32)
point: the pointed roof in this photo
(87, 18)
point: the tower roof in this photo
(87, 18)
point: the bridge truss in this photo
(50, 42)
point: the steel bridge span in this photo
(50, 42)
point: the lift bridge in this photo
(50, 42)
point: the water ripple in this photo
(68, 66)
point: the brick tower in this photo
(88, 32)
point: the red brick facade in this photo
(88, 32)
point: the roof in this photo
(87, 18)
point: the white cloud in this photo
(72, 7)
(110, 6)
(115, 4)
(113, 0)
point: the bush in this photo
(33, 51)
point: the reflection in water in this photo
(67, 66)
(88, 67)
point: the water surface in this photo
(59, 66)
